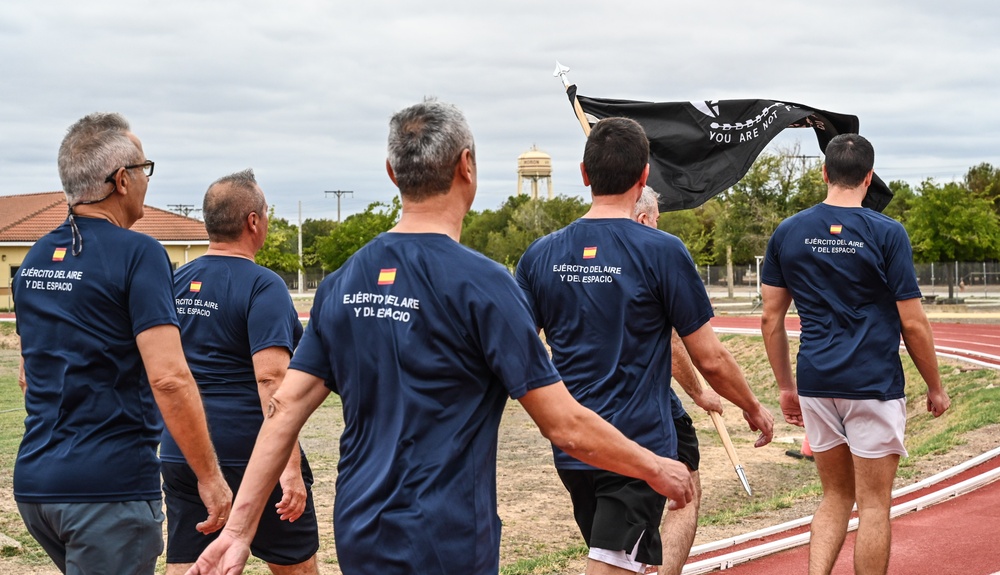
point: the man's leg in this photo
(829, 524)
(601, 568)
(873, 478)
(678, 531)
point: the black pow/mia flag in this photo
(699, 149)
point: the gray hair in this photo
(647, 201)
(94, 147)
(228, 201)
(425, 143)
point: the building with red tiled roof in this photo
(26, 218)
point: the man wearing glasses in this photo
(100, 357)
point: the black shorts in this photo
(278, 542)
(687, 442)
(616, 513)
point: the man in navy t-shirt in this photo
(102, 359)
(679, 527)
(850, 272)
(608, 292)
(239, 328)
(424, 340)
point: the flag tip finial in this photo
(561, 73)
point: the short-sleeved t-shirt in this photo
(845, 268)
(92, 426)
(229, 309)
(607, 292)
(424, 340)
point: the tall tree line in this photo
(952, 221)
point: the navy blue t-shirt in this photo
(424, 340)
(92, 426)
(607, 292)
(230, 308)
(845, 268)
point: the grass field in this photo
(530, 544)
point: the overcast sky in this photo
(302, 90)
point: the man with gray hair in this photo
(102, 359)
(239, 328)
(679, 526)
(424, 340)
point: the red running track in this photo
(957, 536)
(973, 342)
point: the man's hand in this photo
(218, 499)
(227, 555)
(674, 482)
(293, 494)
(708, 400)
(760, 420)
(938, 401)
(789, 400)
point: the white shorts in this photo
(872, 428)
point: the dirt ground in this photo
(535, 508)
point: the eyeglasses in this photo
(147, 168)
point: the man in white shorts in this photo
(850, 272)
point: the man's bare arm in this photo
(269, 366)
(298, 396)
(722, 372)
(919, 341)
(584, 435)
(684, 372)
(777, 300)
(179, 401)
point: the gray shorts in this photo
(872, 428)
(122, 537)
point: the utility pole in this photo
(183, 209)
(301, 278)
(339, 193)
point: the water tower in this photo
(534, 165)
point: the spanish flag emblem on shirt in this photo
(196, 286)
(59, 254)
(835, 229)
(590, 253)
(386, 276)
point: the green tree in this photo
(753, 207)
(504, 234)
(902, 200)
(948, 223)
(356, 231)
(984, 180)
(312, 230)
(695, 228)
(280, 250)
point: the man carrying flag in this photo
(608, 292)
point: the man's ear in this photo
(826, 178)
(465, 169)
(868, 178)
(642, 180)
(392, 175)
(583, 172)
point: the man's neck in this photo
(616, 206)
(230, 249)
(438, 214)
(842, 197)
(109, 210)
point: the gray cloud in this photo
(302, 91)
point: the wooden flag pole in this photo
(720, 426)
(561, 73)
